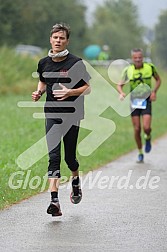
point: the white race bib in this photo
(138, 103)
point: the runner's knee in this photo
(72, 164)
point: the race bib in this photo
(138, 103)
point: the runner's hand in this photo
(153, 96)
(36, 95)
(122, 96)
(61, 94)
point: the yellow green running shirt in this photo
(141, 76)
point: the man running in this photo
(139, 74)
(64, 78)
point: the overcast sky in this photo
(149, 10)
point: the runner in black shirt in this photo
(65, 80)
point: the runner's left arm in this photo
(157, 85)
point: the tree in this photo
(10, 20)
(161, 38)
(29, 21)
(116, 25)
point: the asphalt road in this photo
(124, 208)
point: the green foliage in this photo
(161, 38)
(16, 72)
(116, 25)
(10, 21)
(30, 22)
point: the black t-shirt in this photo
(71, 73)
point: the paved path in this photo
(116, 213)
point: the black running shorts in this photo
(146, 111)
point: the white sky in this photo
(149, 10)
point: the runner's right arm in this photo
(41, 88)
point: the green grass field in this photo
(19, 131)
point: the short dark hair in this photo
(136, 50)
(61, 27)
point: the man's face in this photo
(59, 41)
(137, 58)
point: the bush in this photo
(16, 72)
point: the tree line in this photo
(116, 24)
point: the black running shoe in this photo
(76, 194)
(54, 209)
